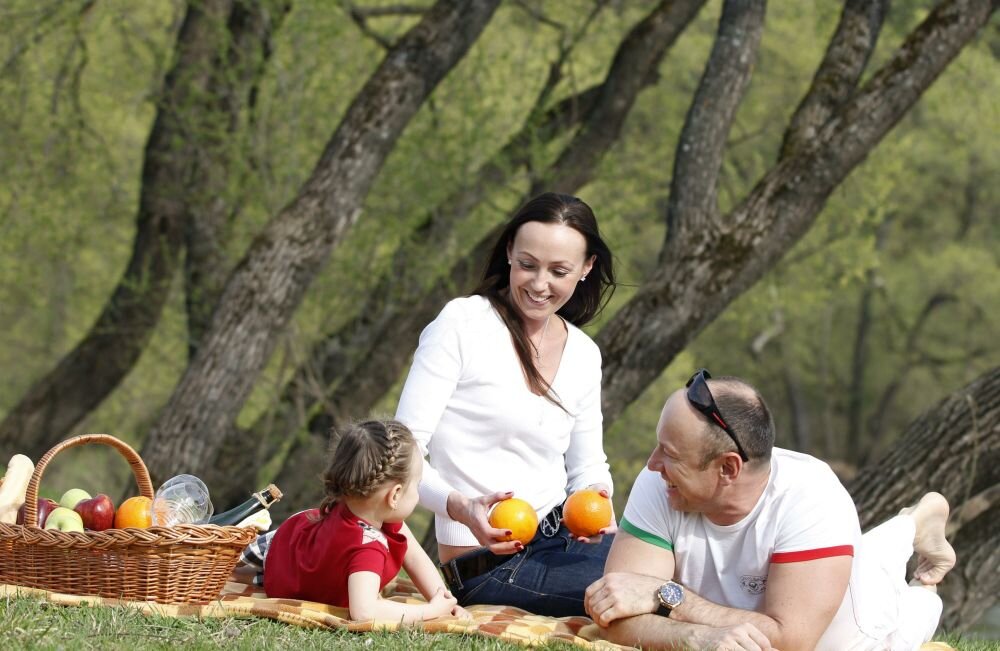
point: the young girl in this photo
(346, 551)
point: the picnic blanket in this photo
(240, 598)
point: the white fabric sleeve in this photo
(586, 462)
(819, 523)
(434, 374)
(647, 513)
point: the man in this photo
(729, 543)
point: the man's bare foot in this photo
(935, 555)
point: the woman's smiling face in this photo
(547, 260)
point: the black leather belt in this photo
(481, 561)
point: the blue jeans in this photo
(548, 577)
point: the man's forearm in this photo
(653, 632)
(697, 610)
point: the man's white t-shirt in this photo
(804, 513)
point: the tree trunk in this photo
(172, 193)
(707, 262)
(414, 269)
(801, 430)
(953, 449)
(857, 445)
(837, 76)
(269, 283)
(387, 351)
(693, 201)
(251, 26)
(911, 358)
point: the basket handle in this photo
(138, 470)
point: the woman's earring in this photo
(508, 260)
(583, 278)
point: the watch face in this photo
(671, 594)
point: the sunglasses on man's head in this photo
(701, 398)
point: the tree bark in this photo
(171, 194)
(709, 263)
(693, 202)
(251, 26)
(954, 449)
(837, 76)
(269, 283)
(387, 351)
(414, 269)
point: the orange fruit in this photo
(135, 512)
(586, 512)
(518, 517)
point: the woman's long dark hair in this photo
(587, 300)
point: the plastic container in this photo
(183, 499)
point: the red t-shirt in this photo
(311, 560)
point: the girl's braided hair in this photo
(367, 456)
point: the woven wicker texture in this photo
(185, 564)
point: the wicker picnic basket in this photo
(183, 564)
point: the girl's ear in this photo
(589, 264)
(393, 495)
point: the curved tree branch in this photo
(693, 202)
(954, 449)
(702, 271)
(837, 77)
(251, 27)
(47, 22)
(635, 62)
(170, 194)
(911, 360)
(414, 265)
(272, 278)
(389, 348)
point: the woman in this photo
(504, 396)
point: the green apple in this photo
(72, 497)
(64, 519)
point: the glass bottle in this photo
(260, 500)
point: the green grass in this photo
(970, 644)
(30, 623)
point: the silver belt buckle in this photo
(550, 523)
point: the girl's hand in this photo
(608, 530)
(472, 512)
(441, 604)
(461, 613)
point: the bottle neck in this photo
(268, 496)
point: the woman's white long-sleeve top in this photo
(483, 430)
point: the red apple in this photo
(45, 506)
(98, 512)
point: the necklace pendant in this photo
(538, 348)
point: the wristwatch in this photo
(671, 595)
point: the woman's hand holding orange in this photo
(474, 513)
(611, 528)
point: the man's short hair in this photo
(747, 415)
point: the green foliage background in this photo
(76, 104)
